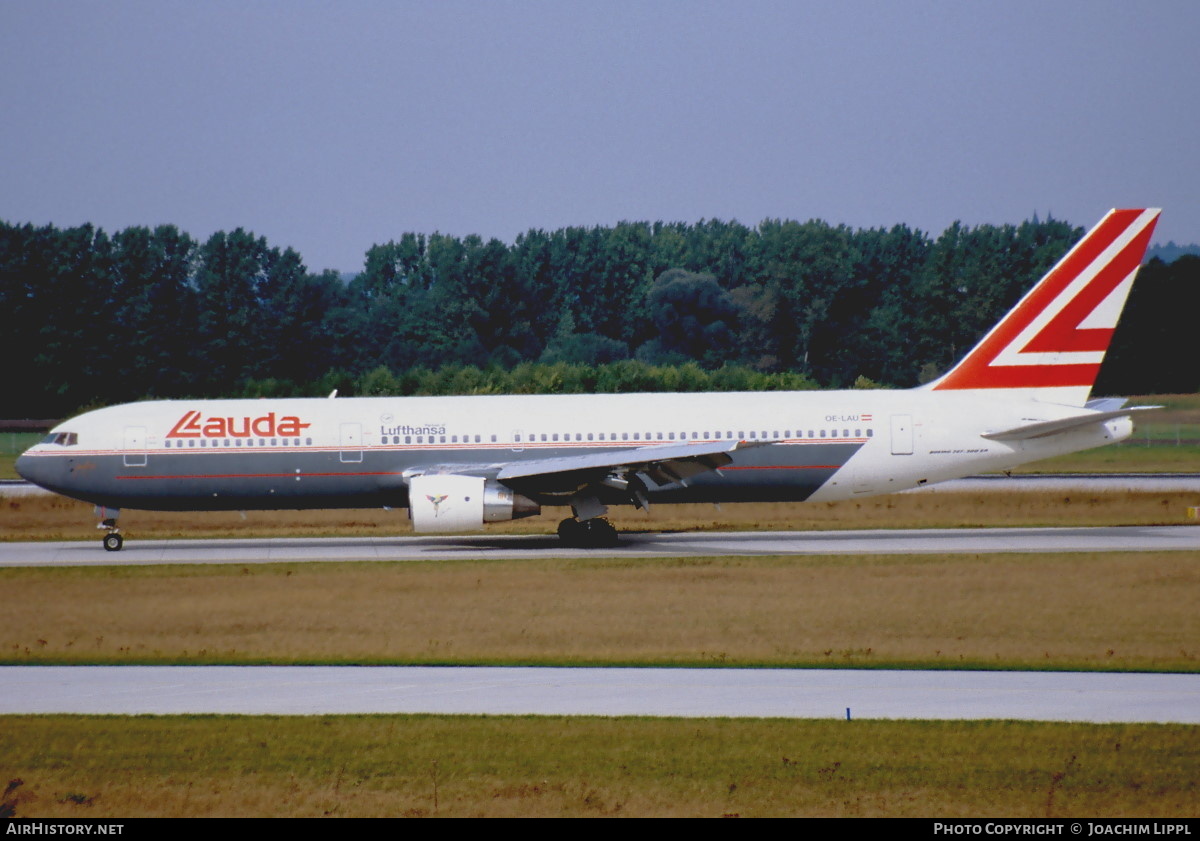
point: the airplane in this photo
(458, 463)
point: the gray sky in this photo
(329, 127)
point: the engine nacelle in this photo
(441, 502)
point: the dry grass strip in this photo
(1077, 611)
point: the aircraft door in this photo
(351, 443)
(902, 435)
(135, 446)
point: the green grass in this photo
(1133, 456)
(12, 444)
(182, 766)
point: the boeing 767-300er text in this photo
(457, 463)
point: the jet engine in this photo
(441, 502)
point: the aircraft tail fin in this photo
(1054, 339)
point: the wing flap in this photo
(663, 463)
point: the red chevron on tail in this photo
(1056, 336)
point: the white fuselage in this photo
(355, 452)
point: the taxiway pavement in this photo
(770, 693)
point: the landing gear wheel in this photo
(113, 542)
(600, 533)
(572, 532)
(596, 533)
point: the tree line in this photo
(90, 318)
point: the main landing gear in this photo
(113, 540)
(596, 533)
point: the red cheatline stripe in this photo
(263, 475)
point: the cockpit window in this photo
(63, 439)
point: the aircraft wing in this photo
(663, 463)
(1041, 429)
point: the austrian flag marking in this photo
(195, 425)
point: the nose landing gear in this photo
(113, 540)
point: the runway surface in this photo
(755, 693)
(632, 545)
(608, 692)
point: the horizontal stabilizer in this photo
(1041, 429)
(1107, 404)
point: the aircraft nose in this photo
(31, 469)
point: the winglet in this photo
(1056, 336)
